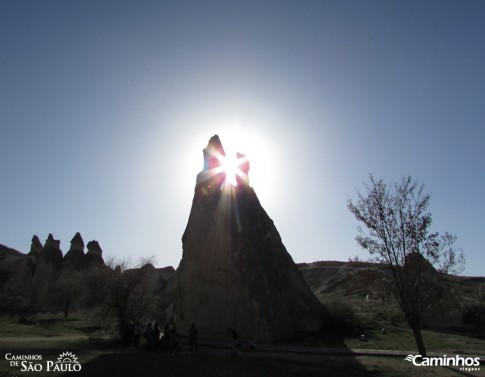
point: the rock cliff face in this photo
(235, 271)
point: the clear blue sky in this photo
(105, 107)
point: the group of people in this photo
(169, 340)
(157, 340)
(237, 344)
(132, 333)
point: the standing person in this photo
(149, 337)
(128, 333)
(156, 337)
(167, 339)
(193, 338)
(236, 340)
(174, 337)
(137, 331)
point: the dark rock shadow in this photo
(220, 362)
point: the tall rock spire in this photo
(212, 175)
(94, 256)
(75, 257)
(235, 271)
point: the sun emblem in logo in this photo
(66, 362)
(67, 357)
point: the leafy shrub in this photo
(344, 318)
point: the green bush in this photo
(344, 318)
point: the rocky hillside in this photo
(9, 260)
(354, 283)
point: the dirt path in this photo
(35, 339)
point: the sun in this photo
(226, 168)
(235, 168)
(230, 167)
(223, 170)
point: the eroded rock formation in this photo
(51, 252)
(235, 271)
(75, 257)
(94, 256)
(36, 246)
(34, 255)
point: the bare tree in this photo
(69, 289)
(16, 294)
(124, 291)
(397, 233)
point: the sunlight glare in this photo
(230, 166)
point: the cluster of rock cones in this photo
(50, 253)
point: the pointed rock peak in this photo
(36, 240)
(36, 246)
(213, 153)
(212, 176)
(221, 170)
(77, 242)
(94, 248)
(94, 255)
(242, 172)
(51, 242)
(51, 253)
(417, 263)
(215, 142)
(75, 257)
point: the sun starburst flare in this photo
(223, 171)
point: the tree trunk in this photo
(419, 339)
(67, 304)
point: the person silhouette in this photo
(193, 338)
(149, 337)
(156, 337)
(167, 339)
(236, 340)
(137, 331)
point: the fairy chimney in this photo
(235, 271)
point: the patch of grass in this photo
(89, 329)
(397, 367)
(46, 325)
(398, 338)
